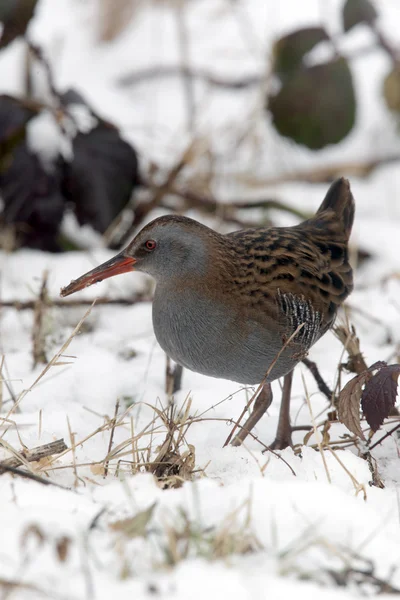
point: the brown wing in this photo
(298, 273)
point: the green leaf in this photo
(316, 106)
(290, 49)
(358, 11)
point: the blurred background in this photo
(115, 111)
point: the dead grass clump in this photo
(186, 538)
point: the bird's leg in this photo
(284, 432)
(261, 405)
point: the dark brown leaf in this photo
(15, 16)
(349, 399)
(32, 202)
(379, 395)
(102, 174)
(349, 404)
(14, 115)
(358, 11)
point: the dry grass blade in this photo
(316, 432)
(19, 456)
(187, 539)
(110, 443)
(172, 464)
(54, 361)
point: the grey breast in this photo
(204, 336)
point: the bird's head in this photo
(168, 248)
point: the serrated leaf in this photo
(15, 16)
(316, 106)
(135, 526)
(100, 178)
(358, 11)
(379, 395)
(289, 50)
(349, 405)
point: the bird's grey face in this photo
(166, 249)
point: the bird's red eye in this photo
(150, 244)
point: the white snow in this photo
(305, 517)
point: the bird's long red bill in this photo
(115, 266)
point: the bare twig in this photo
(387, 434)
(165, 72)
(210, 204)
(38, 337)
(184, 46)
(323, 174)
(34, 454)
(30, 304)
(322, 386)
(32, 476)
(37, 52)
(143, 209)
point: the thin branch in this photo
(144, 209)
(387, 434)
(322, 386)
(32, 476)
(145, 75)
(195, 200)
(38, 337)
(30, 304)
(184, 47)
(323, 174)
(33, 455)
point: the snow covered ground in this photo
(249, 525)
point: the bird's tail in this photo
(337, 209)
